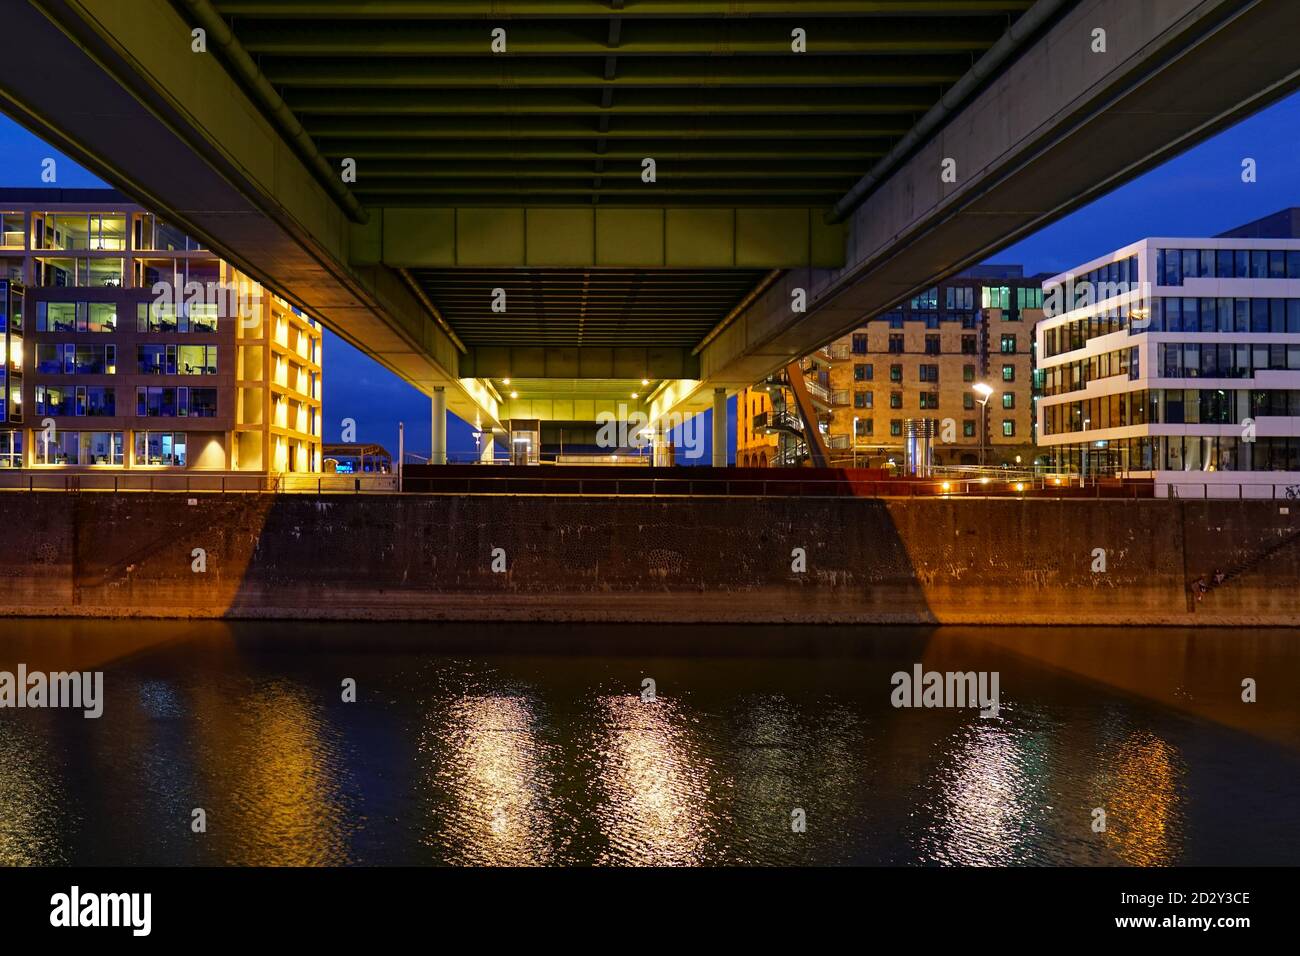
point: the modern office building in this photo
(1176, 356)
(130, 346)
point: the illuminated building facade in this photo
(1177, 356)
(130, 346)
(924, 359)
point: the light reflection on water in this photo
(654, 803)
(530, 751)
(30, 798)
(483, 756)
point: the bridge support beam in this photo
(615, 237)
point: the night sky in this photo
(1197, 194)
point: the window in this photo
(49, 358)
(1008, 399)
(203, 403)
(94, 359)
(75, 400)
(864, 426)
(56, 316)
(895, 373)
(862, 372)
(932, 345)
(895, 399)
(160, 448)
(101, 317)
(11, 237)
(11, 449)
(196, 360)
(156, 317)
(1029, 298)
(968, 428)
(860, 343)
(79, 448)
(98, 401)
(929, 400)
(995, 297)
(969, 345)
(928, 373)
(960, 299)
(967, 401)
(1008, 373)
(203, 318)
(156, 359)
(926, 301)
(968, 373)
(161, 401)
(896, 344)
(151, 233)
(895, 427)
(1008, 428)
(862, 399)
(70, 359)
(1009, 344)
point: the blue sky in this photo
(1196, 194)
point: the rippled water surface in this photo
(494, 744)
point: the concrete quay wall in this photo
(436, 557)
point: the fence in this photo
(197, 482)
(1234, 490)
(769, 484)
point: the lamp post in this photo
(985, 392)
(1083, 470)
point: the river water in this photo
(531, 744)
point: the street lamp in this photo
(1083, 469)
(984, 392)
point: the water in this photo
(526, 744)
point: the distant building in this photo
(785, 421)
(357, 458)
(922, 360)
(103, 372)
(1176, 356)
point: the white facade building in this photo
(1180, 359)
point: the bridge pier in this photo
(719, 428)
(438, 453)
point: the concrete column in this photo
(439, 453)
(719, 428)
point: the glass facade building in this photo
(1175, 356)
(128, 345)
